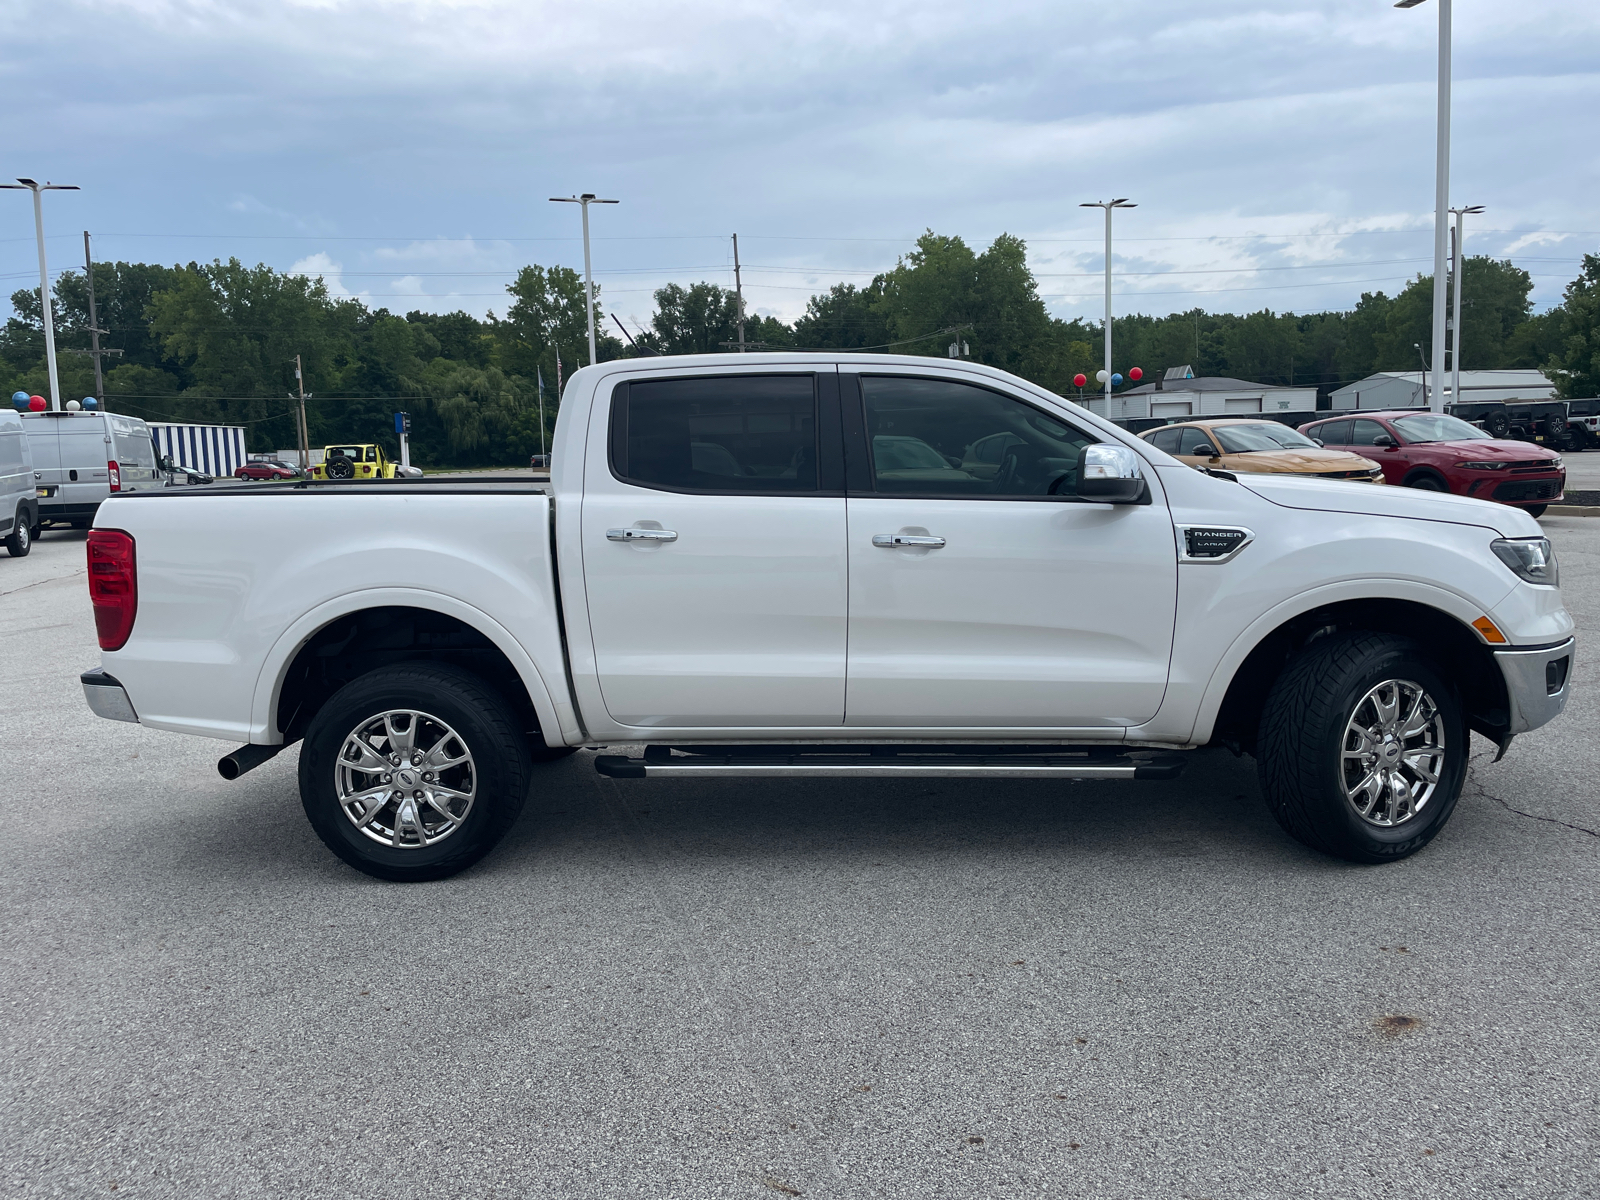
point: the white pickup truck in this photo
(851, 565)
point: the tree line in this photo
(216, 342)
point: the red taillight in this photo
(113, 586)
(115, 472)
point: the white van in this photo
(19, 499)
(80, 458)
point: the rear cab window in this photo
(741, 434)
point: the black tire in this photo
(479, 717)
(340, 467)
(1535, 510)
(1426, 483)
(35, 532)
(21, 539)
(1301, 745)
(1497, 424)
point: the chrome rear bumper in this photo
(1537, 683)
(106, 697)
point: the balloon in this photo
(37, 404)
(90, 402)
(1116, 379)
(20, 400)
(1136, 373)
(73, 406)
(1078, 380)
(1099, 376)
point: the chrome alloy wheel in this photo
(405, 779)
(1393, 753)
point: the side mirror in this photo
(1205, 450)
(1383, 439)
(1319, 441)
(1111, 474)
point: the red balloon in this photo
(37, 404)
(1079, 380)
(1135, 373)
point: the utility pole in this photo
(1459, 256)
(44, 277)
(1441, 199)
(305, 436)
(586, 199)
(95, 331)
(1108, 205)
(738, 291)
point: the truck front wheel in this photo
(1363, 747)
(414, 771)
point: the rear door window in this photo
(1334, 433)
(1166, 439)
(751, 434)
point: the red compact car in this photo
(265, 470)
(1440, 453)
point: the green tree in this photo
(844, 317)
(1578, 366)
(693, 320)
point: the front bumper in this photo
(1537, 683)
(106, 697)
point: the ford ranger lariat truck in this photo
(850, 565)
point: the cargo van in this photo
(19, 499)
(82, 457)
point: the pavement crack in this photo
(42, 582)
(1547, 820)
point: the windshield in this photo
(1437, 427)
(1269, 435)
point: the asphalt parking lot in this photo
(898, 989)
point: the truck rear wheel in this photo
(1363, 747)
(414, 771)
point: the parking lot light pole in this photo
(1108, 205)
(1459, 255)
(44, 277)
(586, 199)
(1441, 200)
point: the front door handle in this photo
(641, 535)
(906, 539)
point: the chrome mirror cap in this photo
(1111, 474)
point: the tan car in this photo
(1264, 447)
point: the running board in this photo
(902, 762)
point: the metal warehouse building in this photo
(1408, 389)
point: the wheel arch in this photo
(1232, 713)
(361, 631)
(1425, 471)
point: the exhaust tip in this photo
(228, 767)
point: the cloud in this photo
(1287, 151)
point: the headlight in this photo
(1532, 559)
(1483, 466)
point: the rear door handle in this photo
(641, 535)
(906, 539)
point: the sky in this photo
(1281, 154)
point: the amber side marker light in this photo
(1489, 631)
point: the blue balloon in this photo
(20, 399)
(90, 402)
(1116, 379)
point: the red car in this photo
(1440, 453)
(269, 469)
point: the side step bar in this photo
(904, 762)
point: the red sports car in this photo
(1441, 453)
(265, 470)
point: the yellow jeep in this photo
(354, 462)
